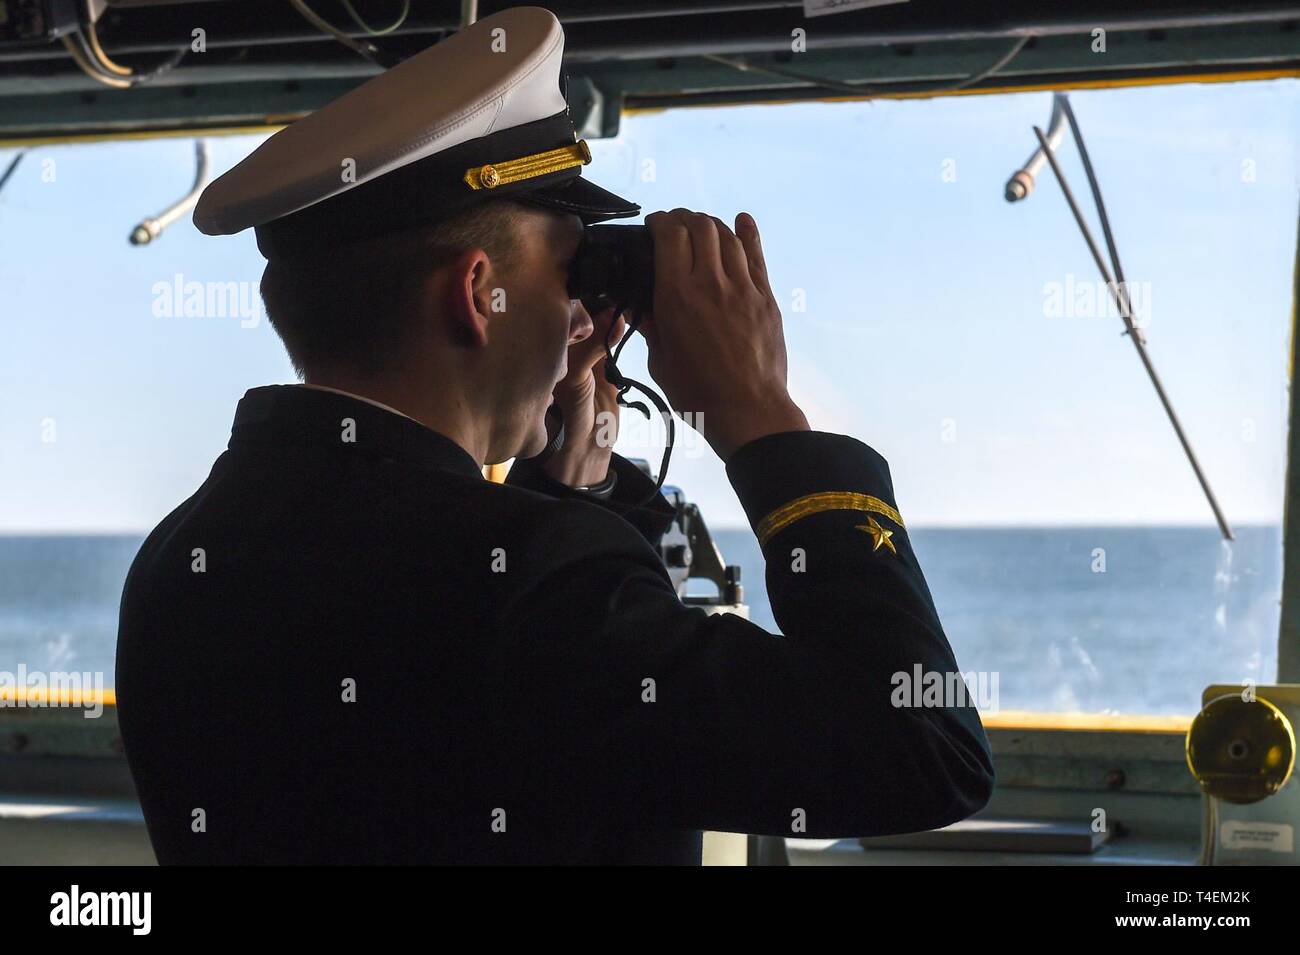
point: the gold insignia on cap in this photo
(491, 175)
(878, 534)
(802, 507)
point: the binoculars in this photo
(615, 265)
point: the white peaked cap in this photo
(481, 115)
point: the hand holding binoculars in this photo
(615, 263)
(718, 350)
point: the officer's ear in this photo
(469, 292)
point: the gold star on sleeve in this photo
(878, 534)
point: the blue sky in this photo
(916, 305)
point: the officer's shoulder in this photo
(569, 526)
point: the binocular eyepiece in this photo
(615, 263)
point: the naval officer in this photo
(349, 646)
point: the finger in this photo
(613, 336)
(747, 231)
(734, 262)
(603, 385)
(672, 245)
(604, 328)
(605, 402)
(573, 390)
(704, 245)
(650, 333)
(601, 319)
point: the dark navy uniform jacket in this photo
(363, 651)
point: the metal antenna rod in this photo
(149, 229)
(13, 164)
(1021, 183)
(1121, 300)
(1096, 198)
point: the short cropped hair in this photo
(350, 307)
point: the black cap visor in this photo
(582, 198)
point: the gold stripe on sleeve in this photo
(802, 507)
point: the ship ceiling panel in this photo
(264, 64)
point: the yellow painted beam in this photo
(1093, 722)
(23, 696)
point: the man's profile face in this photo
(538, 324)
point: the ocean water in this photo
(1171, 610)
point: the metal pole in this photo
(1121, 300)
(1096, 198)
(1288, 638)
(13, 164)
(1021, 183)
(150, 229)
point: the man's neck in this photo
(455, 423)
(352, 394)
